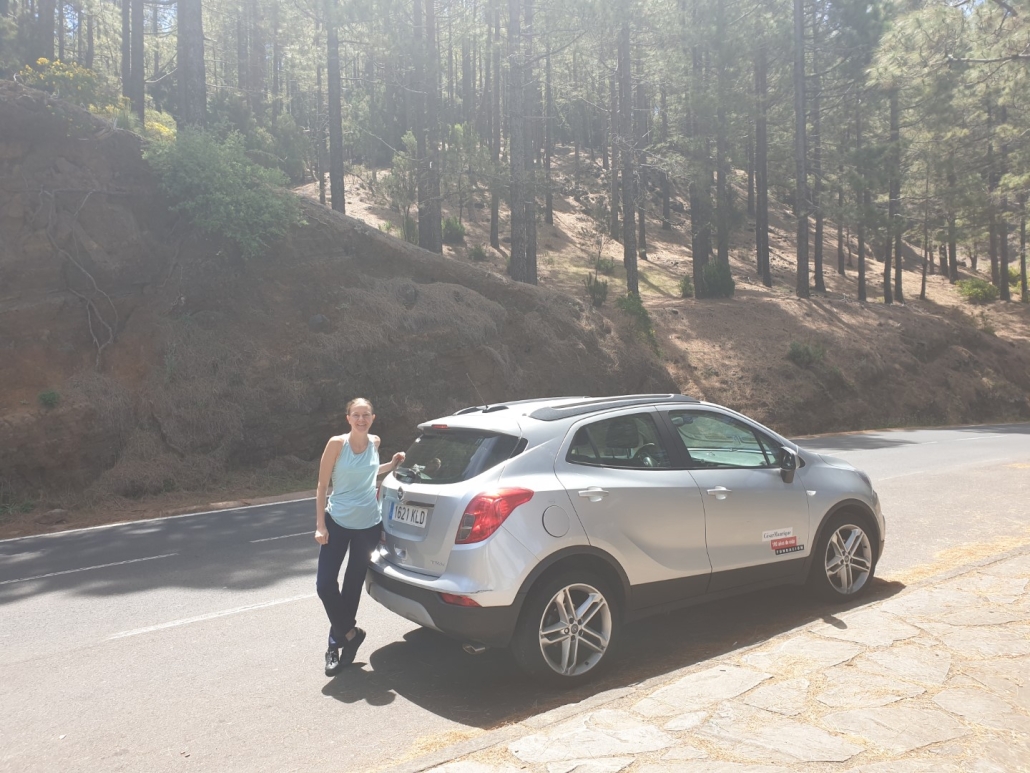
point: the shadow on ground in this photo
(488, 690)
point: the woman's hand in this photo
(321, 536)
(397, 459)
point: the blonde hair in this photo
(357, 401)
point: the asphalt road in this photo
(196, 642)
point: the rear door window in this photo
(452, 456)
(624, 441)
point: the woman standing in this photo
(354, 521)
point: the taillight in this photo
(486, 512)
(461, 601)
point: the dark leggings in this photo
(341, 603)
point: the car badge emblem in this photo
(400, 494)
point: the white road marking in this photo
(209, 616)
(307, 533)
(88, 568)
(154, 520)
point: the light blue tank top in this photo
(353, 503)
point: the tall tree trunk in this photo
(320, 131)
(1023, 296)
(192, 77)
(666, 186)
(613, 135)
(750, 140)
(952, 226)
(927, 247)
(862, 200)
(434, 233)
(256, 77)
(639, 188)
(46, 16)
(137, 68)
(90, 44)
(629, 240)
(497, 120)
(242, 56)
(531, 137)
(993, 178)
(894, 186)
(722, 161)
(515, 105)
(60, 30)
(840, 204)
(548, 141)
(277, 54)
(762, 164)
(800, 150)
(817, 151)
(1003, 219)
(337, 193)
(126, 68)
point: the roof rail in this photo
(606, 403)
(491, 407)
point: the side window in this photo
(714, 440)
(625, 441)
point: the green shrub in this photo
(632, 305)
(1014, 276)
(804, 355)
(687, 287)
(978, 290)
(453, 231)
(478, 253)
(49, 399)
(410, 230)
(718, 280)
(222, 192)
(70, 82)
(604, 266)
(597, 289)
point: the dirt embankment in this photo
(208, 364)
(219, 377)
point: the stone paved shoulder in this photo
(935, 679)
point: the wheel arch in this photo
(863, 512)
(581, 557)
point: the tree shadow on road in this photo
(488, 690)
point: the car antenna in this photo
(476, 388)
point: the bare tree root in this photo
(108, 331)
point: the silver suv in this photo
(545, 525)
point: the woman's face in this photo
(360, 417)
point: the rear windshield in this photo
(450, 456)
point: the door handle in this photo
(719, 492)
(594, 494)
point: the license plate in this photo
(414, 516)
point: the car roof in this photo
(505, 416)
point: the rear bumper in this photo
(492, 626)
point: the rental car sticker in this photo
(786, 542)
(767, 536)
(791, 549)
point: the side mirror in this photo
(788, 464)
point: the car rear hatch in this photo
(424, 499)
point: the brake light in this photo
(486, 512)
(461, 601)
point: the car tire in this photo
(844, 559)
(577, 612)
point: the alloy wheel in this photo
(575, 629)
(849, 559)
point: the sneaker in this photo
(332, 662)
(350, 647)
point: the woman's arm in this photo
(325, 473)
(393, 463)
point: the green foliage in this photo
(222, 192)
(718, 280)
(478, 253)
(604, 266)
(69, 81)
(278, 143)
(1014, 278)
(410, 229)
(597, 289)
(453, 231)
(977, 290)
(49, 399)
(805, 355)
(687, 287)
(632, 305)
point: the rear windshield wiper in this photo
(405, 474)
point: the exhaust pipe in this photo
(473, 648)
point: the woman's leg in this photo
(362, 543)
(327, 582)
